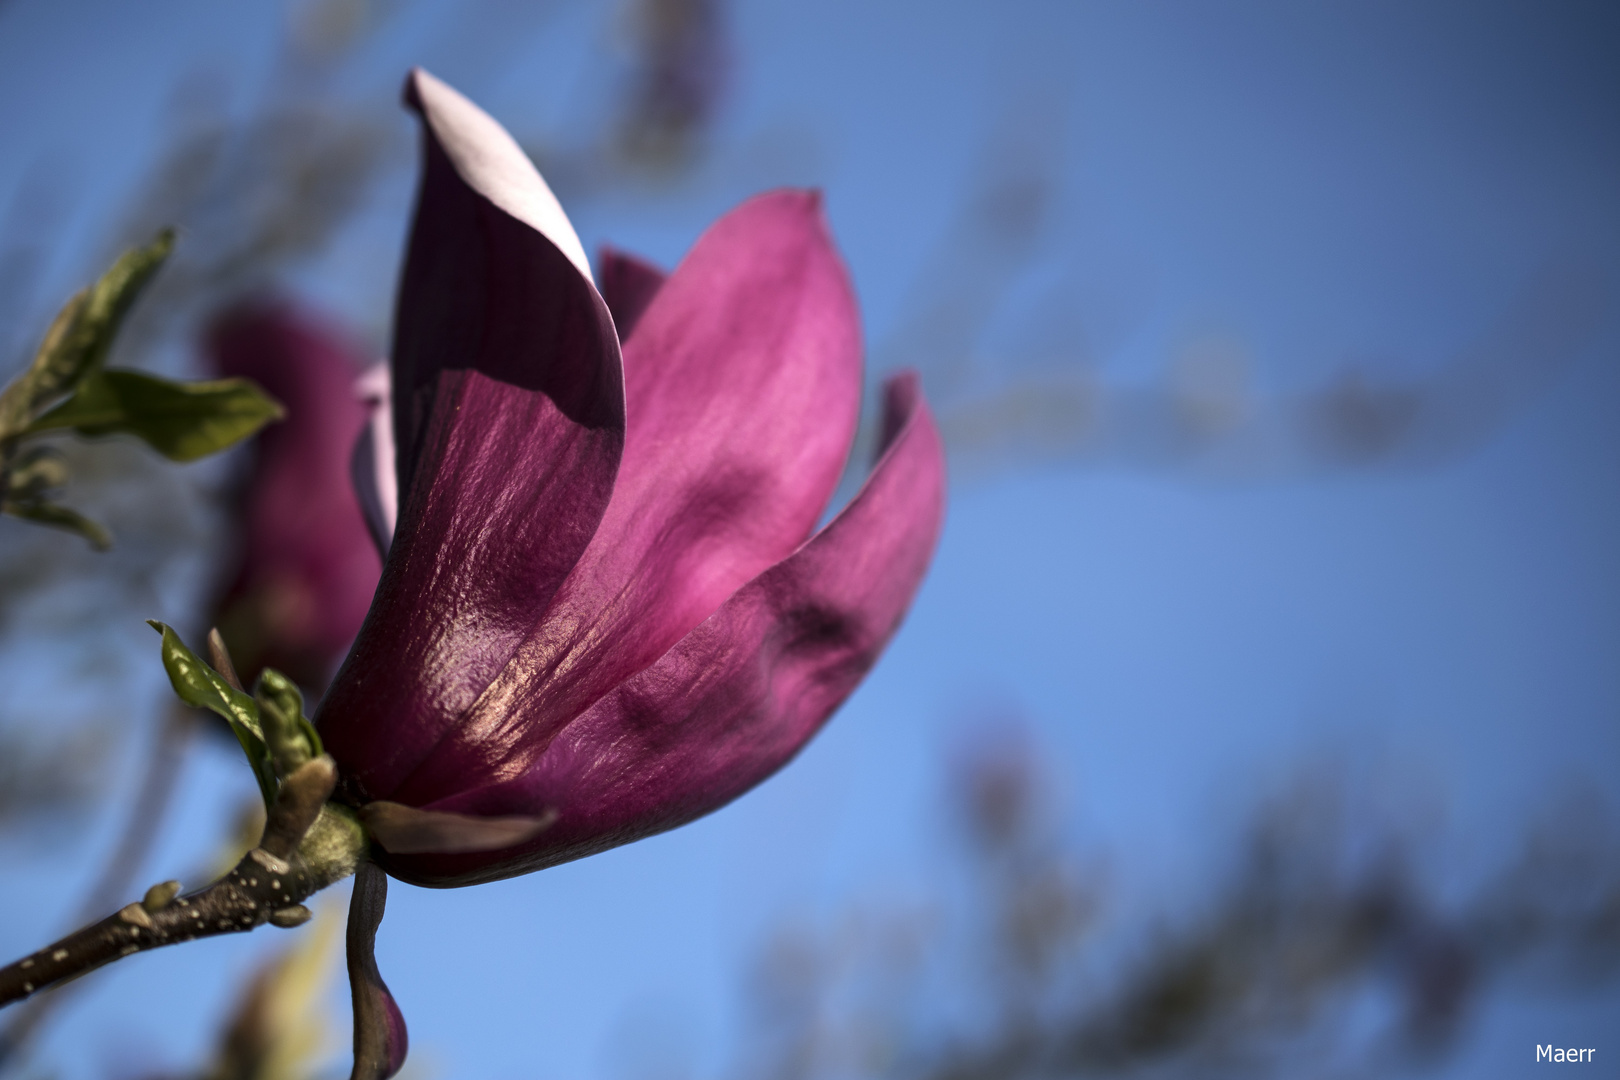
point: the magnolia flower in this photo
(605, 609)
(306, 567)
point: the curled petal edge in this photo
(371, 466)
(493, 163)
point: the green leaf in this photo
(81, 336)
(46, 378)
(182, 421)
(60, 517)
(288, 733)
(201, 686)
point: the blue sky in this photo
(1321, 186)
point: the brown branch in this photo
(134, 845)
(306, 847)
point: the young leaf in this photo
(60, 517)
(46, 377)
(181, 421)
(201, 686)
(81, 336)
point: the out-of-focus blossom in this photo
(603, 612)
(307, 566)
(680, 80)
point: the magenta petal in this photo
(380, 1039)
(473, 559)
(628, 285)
(509, 423)
(742, 388)
(739, 695)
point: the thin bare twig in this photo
(306, 847)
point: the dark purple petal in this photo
(495, 279)
(628, 285)
(474, 557)
(380, 1040)
(739, 695)
(307, 568)
(506, 375)
(742, 387)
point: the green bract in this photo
(287, 731)
(199, 685)
(270, 724)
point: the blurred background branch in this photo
(1328, 948)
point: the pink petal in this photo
(742, 387)
(628, 286)
(737, 697)
(509, 421)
